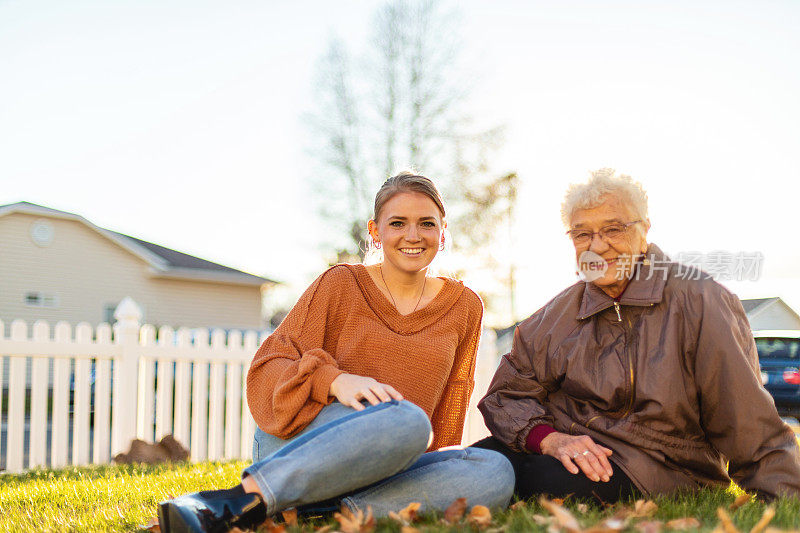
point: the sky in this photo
(183, 122)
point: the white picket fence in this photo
(84, 397)
(116, 384)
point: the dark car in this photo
(779, 356)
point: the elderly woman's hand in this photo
(579, 450)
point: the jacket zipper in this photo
(616, 308)
(629, 408)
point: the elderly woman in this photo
(637, 378)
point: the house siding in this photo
(775, 315)
(87, 272)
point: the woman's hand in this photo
(579, 451)
(350, 389)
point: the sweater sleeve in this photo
(291, 373)
(448, 416)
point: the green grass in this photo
(119, 498)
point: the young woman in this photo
(372, 368)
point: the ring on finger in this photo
(586, 452)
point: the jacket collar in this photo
(645, 288)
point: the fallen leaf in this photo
(617, 524)
(542, 520)
(522, 504)
(455, 511)
(152, 525)
(683, 523)
(609, 525)
(480, 516)
(726, 522)
(290, 516)
(269, 526)
(407, 515)
(649, 526)
(558, 501)
(562, 517)
(643, 509)
(769, 513)
(739, 501)
(582, 507)
(409, 529)
(355, 523)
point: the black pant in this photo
(542, 474)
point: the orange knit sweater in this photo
(343, 323)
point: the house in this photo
(770, 313)
(58, 266)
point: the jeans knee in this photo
(496, 469)
(413, 423)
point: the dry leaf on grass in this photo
(768, 515)
(684, 523)
(407, 515)
(269, 526)
(725, 521)
(739, 501)
(542, 520)
(290, 516)
(563, 518)
(480, 516)
(355, 523)
(609, 525)
(409, 529)
(643, 509)
(582, 507)
(522, 504)
(649, 526)
(152, 525)
(455, 511)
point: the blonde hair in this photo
(406, 182)
(601, 183)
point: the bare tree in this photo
(403, 106)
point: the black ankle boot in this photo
(212, 511)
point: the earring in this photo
(376, 244)
(441, 246)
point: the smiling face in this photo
(410, 229)
(617, 253)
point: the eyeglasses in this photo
(610, 233)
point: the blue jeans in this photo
(375, 457)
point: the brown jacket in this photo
(671, 384)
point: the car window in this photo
(777, 348)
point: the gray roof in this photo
(753, 303)
(173, 258)
(181, 260)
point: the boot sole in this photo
(170, 519)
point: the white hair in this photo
(604, 182)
